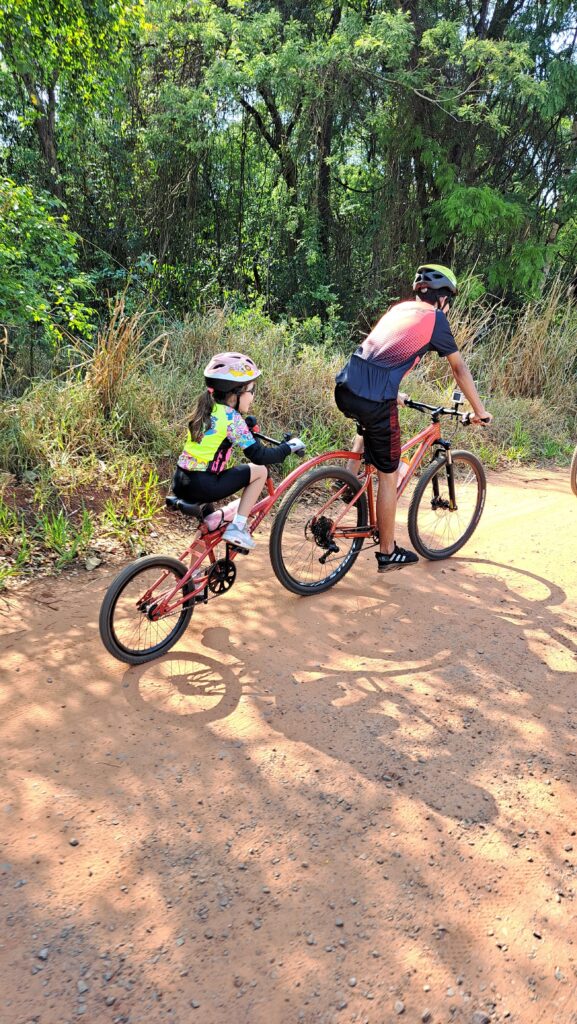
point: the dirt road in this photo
(358, 807)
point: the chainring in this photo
(221, 576)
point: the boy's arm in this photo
(465, 382)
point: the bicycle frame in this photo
(205, 541)
(422, 442)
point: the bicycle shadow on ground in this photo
(186, 684)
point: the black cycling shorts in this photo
(378, 423)
(206, 487)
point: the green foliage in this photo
(297, 159)
(127, 518)
(41, 287)
(61, 535)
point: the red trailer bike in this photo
(319, 529)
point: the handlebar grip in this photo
(252, 424)
(468, 417)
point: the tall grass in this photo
(138, 388)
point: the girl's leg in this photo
(252, 490)
(236, 533)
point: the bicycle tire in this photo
(426, 508)
(573, 472)
(315, 486)
(109, 633)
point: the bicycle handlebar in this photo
(439, 410)
(252, 424)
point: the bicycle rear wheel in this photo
(303, 556)
(573, 472)
(436, 529)
(127, 628)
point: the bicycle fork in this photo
(439, 502)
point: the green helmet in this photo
(431, 275)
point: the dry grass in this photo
(137, 394)
(121, 352)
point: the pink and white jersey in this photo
(395, 346)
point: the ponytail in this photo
(200, 421)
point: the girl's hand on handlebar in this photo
(296, 446)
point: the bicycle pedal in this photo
(237, 550)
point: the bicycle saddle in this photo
(188, 508)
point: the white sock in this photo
(239, 521)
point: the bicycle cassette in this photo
(221, 576)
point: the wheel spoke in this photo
(437, 530)
(302, 543)
(133, 628)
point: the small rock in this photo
(194, 1004)
(342, 1004)
(568, 847)
(426, 1016)
(110, 1000)
(480, 1017)
(73, 842)
(339, 923)
(92, 562)
(399, 1007)
(43, 954)
(82, 987)
(352, 982)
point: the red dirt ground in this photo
(357, 807)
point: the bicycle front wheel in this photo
(438, 527)
(128, 629)
(305, 557)
(573, 472)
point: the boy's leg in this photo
(358, 445)
(386, 511)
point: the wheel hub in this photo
(320, 530)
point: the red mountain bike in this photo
(317, 535)
(326, 517)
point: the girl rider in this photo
(216, 425)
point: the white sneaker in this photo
(240, 538)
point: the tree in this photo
(42, 293)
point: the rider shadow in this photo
(185, 685)
(355, 727)
(365, 709)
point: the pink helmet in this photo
(230, 368)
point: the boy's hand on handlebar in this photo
(483, 419)
(402, 398)
(296, 446)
